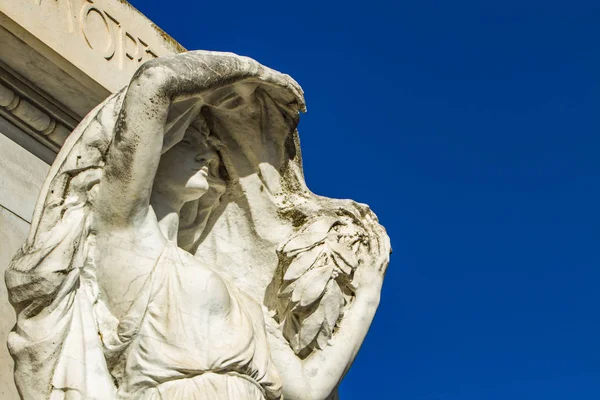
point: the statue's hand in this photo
(331, 262)
(368, 276)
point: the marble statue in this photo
(176, 252)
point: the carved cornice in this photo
(33, 111)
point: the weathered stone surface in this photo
(176, 249)
(13, 233)
(105, 39)
(21, 178)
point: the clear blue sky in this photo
(472, 130)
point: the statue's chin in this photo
(196, 187)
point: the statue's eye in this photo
(186, 142)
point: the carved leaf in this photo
(312, 284)
(311, 327)
(291, 331)
(300, 284)
(286, 291)
(332, 302)
(316, 329)
(303, 241)
(302, 262)
(341, 264)
(343, 253)
(323, 337)
(320, 263)
(322, 225)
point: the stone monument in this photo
(175, 251)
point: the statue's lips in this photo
(203, 170)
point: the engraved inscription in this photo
(96, 30)
(131, 46)
(103, 32)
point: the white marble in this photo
(21, 178)
(176, 252)
(12, 235)
(107, 40)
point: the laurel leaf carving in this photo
(301, 263)
(315, 288)
(322, 225)
(303, 241)
(344, 255)
(332, 302)
(317, 261)
(310, 327)
(311, 286)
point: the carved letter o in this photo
(109, 50)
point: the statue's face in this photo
(187, 167)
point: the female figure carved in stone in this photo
(110, 305)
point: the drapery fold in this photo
(51, 280)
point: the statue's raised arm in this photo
(176, 253)
(139, 138)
